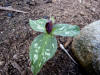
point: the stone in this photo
(1, 63)
(86, 48)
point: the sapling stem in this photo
(62, 47)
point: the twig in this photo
(15, 65)
(68, 42)
(62, 47)
(11, 9)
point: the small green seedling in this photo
(44, 45)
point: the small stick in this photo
(68, 42)
(15, 65)
(62, 47)
(11, 9)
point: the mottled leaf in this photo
(65, 30)
(38, 25)
(42, 48)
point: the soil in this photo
(16, 34)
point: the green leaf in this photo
(42, 48)
(38, 25)
(65, 30)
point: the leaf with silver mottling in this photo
(42, 49)
(65, 30)
(38, 25)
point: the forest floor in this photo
(16, 34)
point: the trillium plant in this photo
(44, 45)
